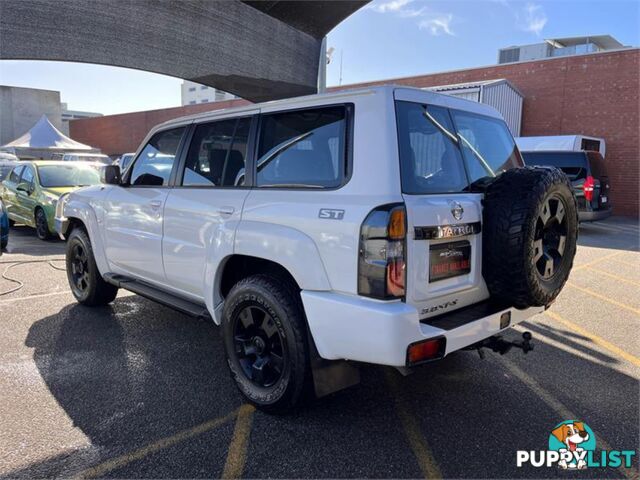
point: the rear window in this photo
(574, 164)
(444, 151)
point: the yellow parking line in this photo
(615, 277)
(557, 406)
(237, 454)
(417, 442)
(625, 263)
(123, 460)
(595, 338)
(598, 260)
(604, 298)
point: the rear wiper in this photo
(477, 154)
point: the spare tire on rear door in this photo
(530, 224)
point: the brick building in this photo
(596, 94)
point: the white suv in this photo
(386, 225)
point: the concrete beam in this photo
(234, 46)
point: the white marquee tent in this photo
(43, 141)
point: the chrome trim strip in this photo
(447, 231)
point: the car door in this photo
(26, 199)
(204, 208)
(10, 193)
(134, 210)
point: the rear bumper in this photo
(594, 215)
(365, 330)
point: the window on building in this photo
(303, 148)
(203, 87)
(217, 154)
(192, 102)
(192, 89)
(154, 164)
(204, 100)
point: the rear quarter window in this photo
(303, 148)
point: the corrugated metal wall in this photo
(507, 101)
(500, 95)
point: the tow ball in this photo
(502, 346)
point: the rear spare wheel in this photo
(530, 224)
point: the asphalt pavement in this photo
(136, 390)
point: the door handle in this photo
(155, 204)
(226, 210)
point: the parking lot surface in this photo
(136, 390)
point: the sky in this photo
(384, 40)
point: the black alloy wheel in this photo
(550, 236)
(79, 261)
(259, 346)
(42, 227)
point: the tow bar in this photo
(502, 346)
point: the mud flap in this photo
(330, 376)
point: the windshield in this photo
(88, 158)
(4, 171)
(444, 150)
(52, 176)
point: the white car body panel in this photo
(365, 330)
(179, 239)
(133, 232)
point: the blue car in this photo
(4, 227)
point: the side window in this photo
(154, 164)
(302, 148)
(217, 154)
(15, 174)
(27, 176)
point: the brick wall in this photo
(595, 95)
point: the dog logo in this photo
(572, 440)
(572, 446)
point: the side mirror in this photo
(110, 175)
(24, 187)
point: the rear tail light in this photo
(382, 257)
(589, 185)
(426, 350)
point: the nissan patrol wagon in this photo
(387, 225)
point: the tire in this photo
(528, 242)
(86, 283)
(12, 222)
(4, 242)
(263, 328)
(42, 226)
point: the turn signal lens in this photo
(397, 224)
(426, 350)
(589, 185)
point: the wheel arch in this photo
(82, 215)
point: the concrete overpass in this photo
(258, 50)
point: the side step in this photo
(188, 307)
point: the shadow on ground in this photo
(135, 372)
